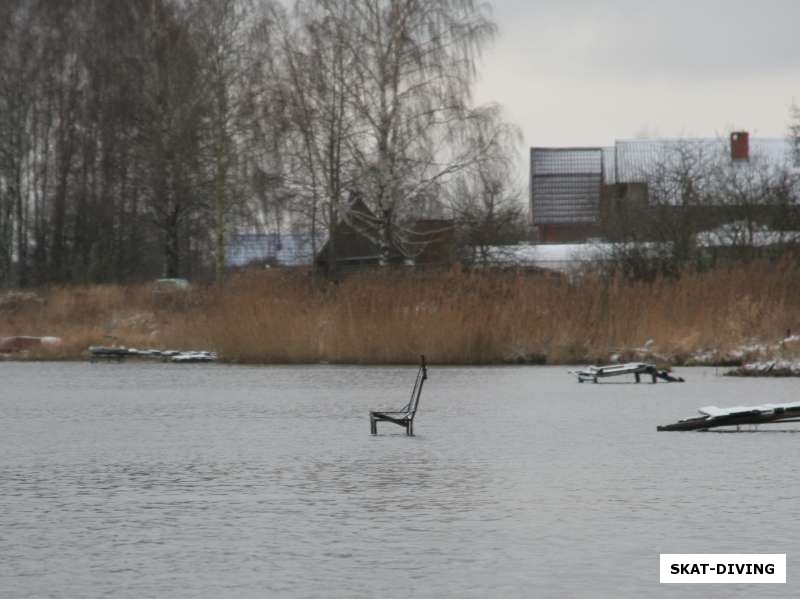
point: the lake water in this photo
(156, 480)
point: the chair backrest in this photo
(413, 402)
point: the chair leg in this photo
(410, 428)
(373, 426)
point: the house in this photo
(576, 192)
(357, 242)
(433, 243)
(359, 235)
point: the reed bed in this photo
(453, 318)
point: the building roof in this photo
(566, 257)
(739, 233)
(279, 249)
(561, 257)
(631, 161)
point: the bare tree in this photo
(486, 199)
(19, 48)
(794, 134)
(317, 79)
(170, 116)
(414, 66)
(223, 30)
(134, 135)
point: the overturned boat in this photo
(714, 417)
(21, 343)
(637, 369)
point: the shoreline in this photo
(743, 371)
(737, 368)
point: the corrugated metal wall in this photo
(565, 185)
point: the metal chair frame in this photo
(404, 416)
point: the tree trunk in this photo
(172, 249)
(220, 205)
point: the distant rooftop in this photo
(630, 161)
(567, 257)
(565, 183)
(276, 249)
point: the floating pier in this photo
(714, 417)
(118, 354)
(637, 369)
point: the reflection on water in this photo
(180, 481)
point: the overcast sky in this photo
(587, 72)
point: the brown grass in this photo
(454, 318)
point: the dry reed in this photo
(455, 318)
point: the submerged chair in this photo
(405, 415)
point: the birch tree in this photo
(318, 67)
(486, 198)
(222, 29)
(17, 88)
(170, 115)
(415, 65)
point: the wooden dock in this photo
(119, 354)
(714, 417)
(637, 369)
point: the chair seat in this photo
(392, 416)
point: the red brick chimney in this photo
(740, 146)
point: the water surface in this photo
(159, 480)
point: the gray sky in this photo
(587, 72)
